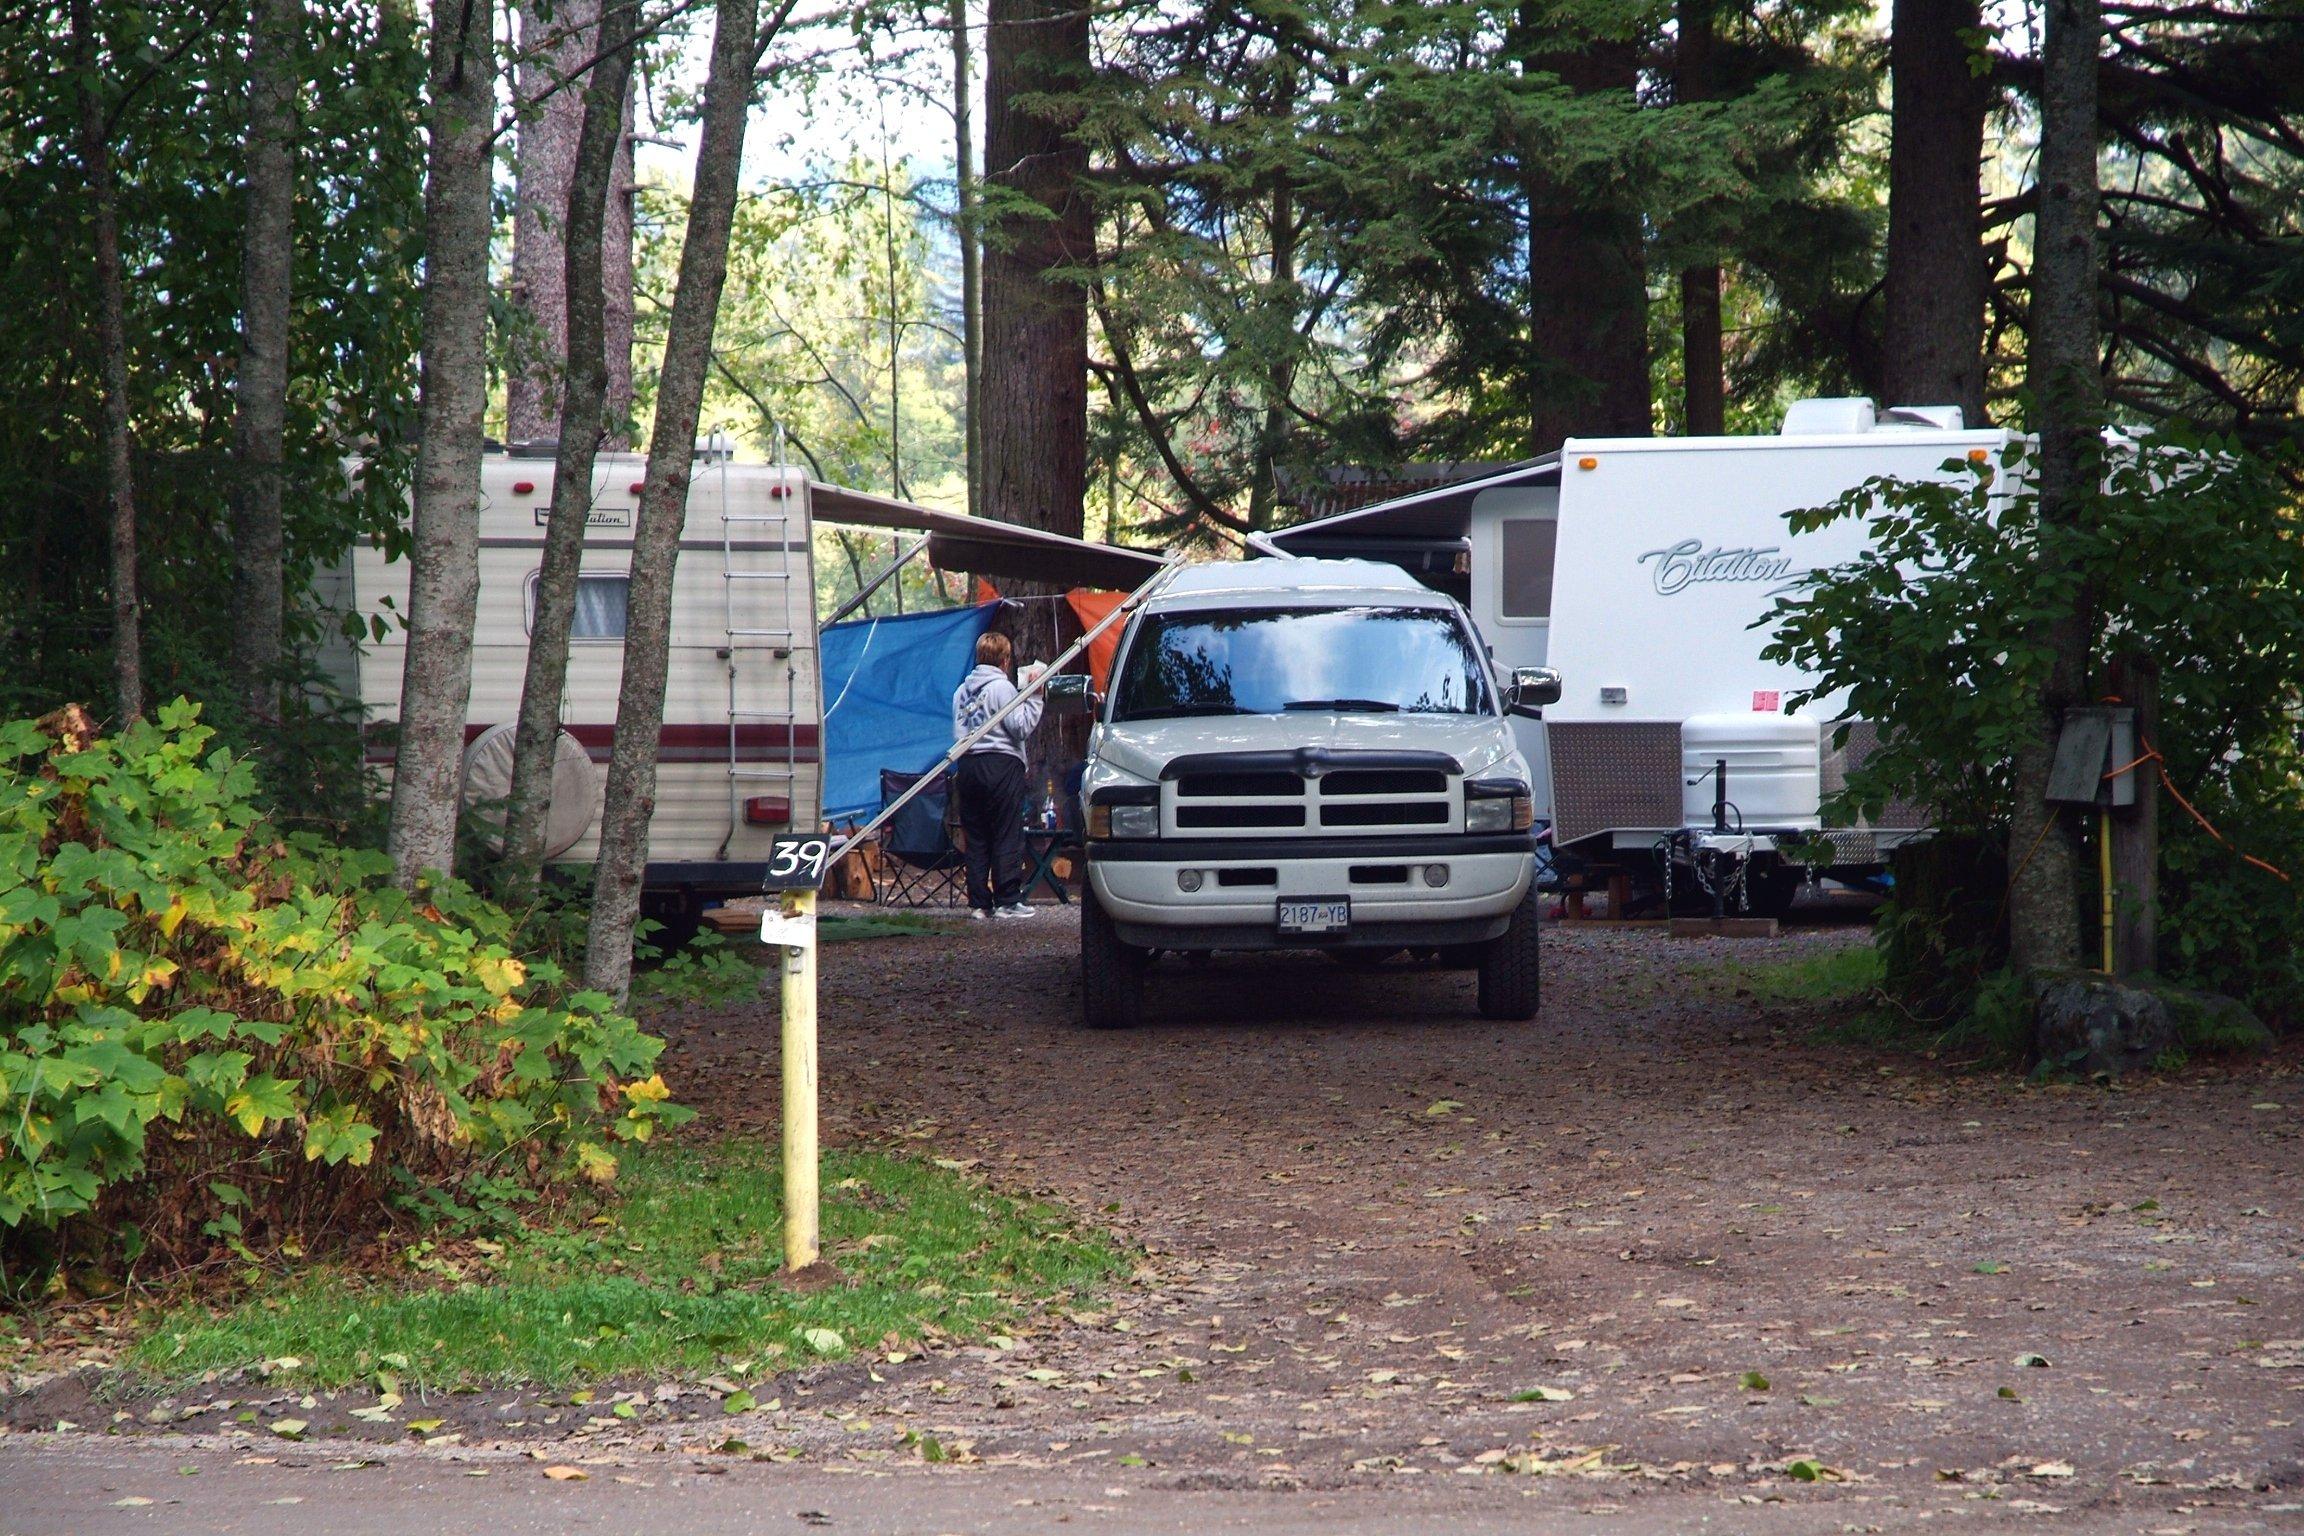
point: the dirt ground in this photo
(1371, 1221)
(1659, 1248)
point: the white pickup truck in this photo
(1308, 754)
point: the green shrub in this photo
(2189, 554)
(212, 1035)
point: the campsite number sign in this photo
(796, 863)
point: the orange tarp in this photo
(1091, 608)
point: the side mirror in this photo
(1530, 690)
(1069, 693)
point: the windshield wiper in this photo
(1346, 706)
(1179, 711)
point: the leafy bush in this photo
(215, 1035)
(2189, 554)
(707, 969)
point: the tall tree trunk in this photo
(1587, 283)
(444, 557)
(1934, 341)
(1034, 397)
(112, 368)
(2043, 885)
(583, 420)
(664, 500)
(260, 386)
(555, 45)
(971, 248)
(1704, 389)
(1280, 377)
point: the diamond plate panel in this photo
(1863, 741)
(1609, 774)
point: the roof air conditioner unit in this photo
(1828, 418)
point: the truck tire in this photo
(1508, 970)
(1111, 972)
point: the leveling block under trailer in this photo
(797, 865)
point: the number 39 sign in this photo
(797, 863)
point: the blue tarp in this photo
(888, 687)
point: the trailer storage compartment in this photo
(1772, 770)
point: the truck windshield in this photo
(1267, 661)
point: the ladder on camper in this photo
(762, 636)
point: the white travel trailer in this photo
(740, 754)
(1636, 568)
(738, 757)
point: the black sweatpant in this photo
(991, 790)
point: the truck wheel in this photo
(1508, 980)
(1111, 972)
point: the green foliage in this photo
(2189, 554)
(227, 1036)
(172, 79)
(676, 1273)
(704, 970)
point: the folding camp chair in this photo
(923, 865)
(1046, 844)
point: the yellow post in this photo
(2104, 877)
(803, 1243)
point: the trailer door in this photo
(1514, 529)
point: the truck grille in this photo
(1228, 786)
(1204, 817)
(1249, 799)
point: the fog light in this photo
(1188, 879)
(1435, 874)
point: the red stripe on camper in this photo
(756, 742)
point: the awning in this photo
(1440, 516)
(957, 542)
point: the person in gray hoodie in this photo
(989, 781)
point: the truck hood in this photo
(1143, 747)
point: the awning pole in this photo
(864, 594)
(1134, 601)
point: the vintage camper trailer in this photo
(739, 747)
(1636, 568)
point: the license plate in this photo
(1321, 914)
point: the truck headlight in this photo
(1134, 820)
(1492, 805)
(1124, 810)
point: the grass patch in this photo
(1844, 974)
(889, 925)
(678, 1274)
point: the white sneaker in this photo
(977, 914)
(1019, 909)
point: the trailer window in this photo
(1269, 661)
(601, 604)
(1527, 545)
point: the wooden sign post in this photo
(795, 868)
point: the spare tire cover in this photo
(575, 788)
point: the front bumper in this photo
(1136, 883)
